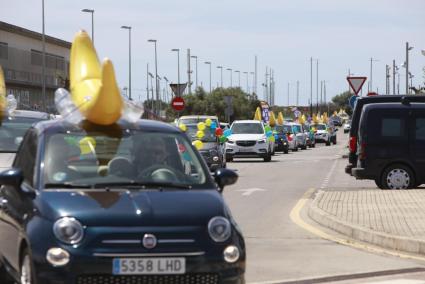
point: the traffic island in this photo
(393, 219)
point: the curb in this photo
(393, 242)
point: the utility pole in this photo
(298, 93)
(255, 77)
(317, 85)
(394, 71)
(189, 82)
(196, 70)
(311, 87)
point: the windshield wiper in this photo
(66, 185)
(137, 184)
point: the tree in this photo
(341, 101)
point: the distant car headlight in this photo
(219, 229)
(261, 141)
(68, 230)
(230, 141)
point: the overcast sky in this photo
(283, 34)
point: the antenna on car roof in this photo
(405, 101)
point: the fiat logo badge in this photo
(149, 241)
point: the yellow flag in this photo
(272, 120)
(2, 91)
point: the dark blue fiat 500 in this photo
(127, 203)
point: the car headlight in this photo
(230, 141)
(219, 229)
(261, 141)
(68, 230)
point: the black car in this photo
(281, 141)
(123, 203)
(391, 145)
(212, 151)
(361, 102)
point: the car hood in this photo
(6, 160)
(322, 131)
(133, 208)
(238, 137)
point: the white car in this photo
(249, 140)
(322, 133)
(347, 126)
(301, 135)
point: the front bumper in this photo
(212, 162)
(256, 150)
(281, 145)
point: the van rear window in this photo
(391, 127)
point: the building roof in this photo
(35, 35)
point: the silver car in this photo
(301, 135)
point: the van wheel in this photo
(398, 176)
(379, 183)
(27, 271)
(285, 151)
(4, 276)
(328, 143)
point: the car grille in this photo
(200, 278)
(245, 143)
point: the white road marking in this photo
(249, 191)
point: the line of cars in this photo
(250, 139)
(387, 141)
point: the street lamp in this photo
(231, 79)
(92, 22)
(239, 73)
(129, 59)
(253, 81)
(411, 78)
(158, 105)
(221, 75)
(209, 63)
(43, 39)
(178, 65)
(371, 73)
(166, 88)
(152, 99)
(196, 69)
(247, 84)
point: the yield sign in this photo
(178, 89)
(356, 83)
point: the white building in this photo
(21, 60)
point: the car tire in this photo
(379, 183)
(295, 149)
(398, 176)
(268, 158)
(286, 151)
(304, 147)
(328, 143)
(26, 268)
(229, 159)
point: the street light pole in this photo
(239, 74)
(221, 75)
(158, 105)
(43, 39)
(394, 72)
(92, 22)
(407, 66)
(246, 73)
(371, 74)
(317, 85)
(231, 79)
(311, 87)
(196, 70)
(129, 59)
(209, 63)
(178, 65)
(253, 82)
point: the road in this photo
(278, 250)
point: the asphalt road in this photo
(278, 250)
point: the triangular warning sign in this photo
(178, 89)
(356, 83)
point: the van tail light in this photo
(362, 152)
(353, 144)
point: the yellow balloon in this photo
(201, 126)
(200, 134)
(208, 122)
(182, 127)
(198, 144)
(87, 145)
(94, 89)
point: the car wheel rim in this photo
(398, 179)
(26, 271)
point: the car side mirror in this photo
(12, 177)
(225, 177)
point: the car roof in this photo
(247, 121)
(394, 105)
(199, 116)
(61, 125)
(29, 114)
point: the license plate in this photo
(141, 266)
(245, 150)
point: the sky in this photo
(343, 35)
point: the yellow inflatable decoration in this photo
(198, 144)
(87, 145)
(257, 115)
(280, 119)
(183, 127)
(201, 126)
(200, 134)
(272, 120)
(2, 91)
(94, 89)
(208, 122)
(302, 119)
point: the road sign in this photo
(352, 101)
(356, 83)
(178, 89)
(177, 103)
